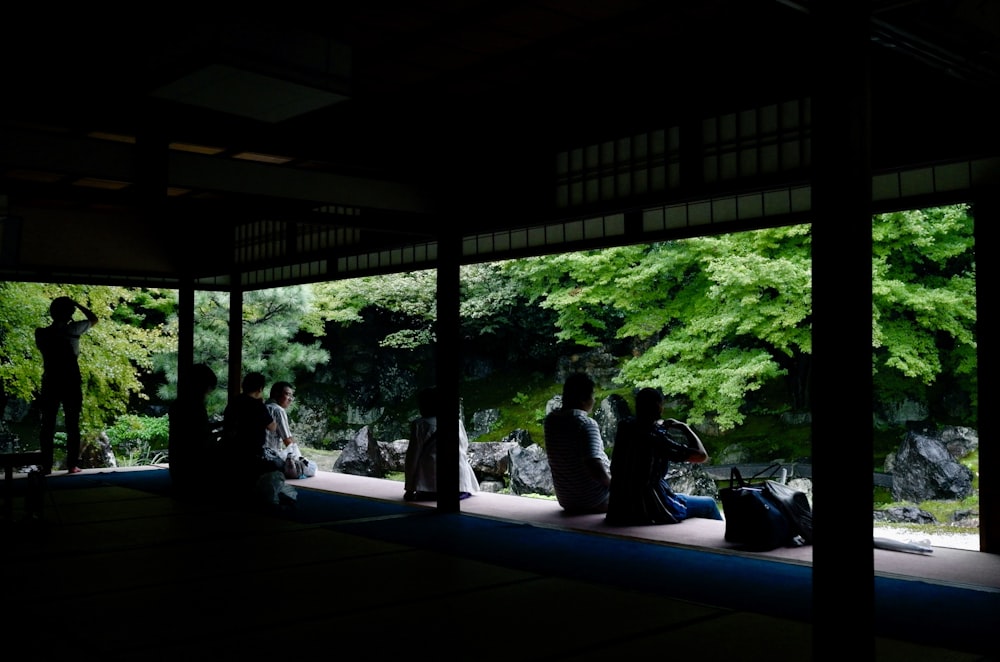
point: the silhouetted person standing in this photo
(59, 343)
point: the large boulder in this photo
(529, 471)
(959, 440)
(491, 459)
(608, 413)
(923, 469)
(360, 457)
(904, 515)
(392, 454)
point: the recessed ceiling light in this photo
(196, 149)
(240, 92)
(108, 184)
(114, 137)
(262, 158)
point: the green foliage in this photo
(708, 320)
(139, 440)
(494, 312)
(410, 298)
(23, 307)
(721, 324)
(924, 303)
(580, 288)
(139, 454)
(115, 355)
(131, 431)
(712, 320)
(494, 393)
(271, 341)
(882, 497)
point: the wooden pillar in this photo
(842, 431)
(448, 357)
(985, 213)
(185, 334)
(235, 339)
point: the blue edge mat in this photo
(954, 617)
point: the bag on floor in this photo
(308, 468)
(753, 521)
(271, 460)
(795, 505)
(294, 467)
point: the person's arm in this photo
(272, 424)
(91, 317)
(599, 471)
(597, 463)
(698, 452)
(281, 425)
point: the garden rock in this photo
(529, 471)
(361, 457)
(904, 515)
(923, 469)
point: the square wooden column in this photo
(448, 354)
(842, 431)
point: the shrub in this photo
(130, 433)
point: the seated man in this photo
(645, 445)
(581, 472)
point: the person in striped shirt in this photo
(580, 467)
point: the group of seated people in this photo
(251, 425)
(631, 489)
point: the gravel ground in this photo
(963, 540)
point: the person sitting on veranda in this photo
(575, 450)
(420, 463)
(645, 445)
(193, 443)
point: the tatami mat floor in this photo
(115, 573)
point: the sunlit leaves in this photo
(114, 355)
(271, 322)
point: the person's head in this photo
(62, 308)
(282, 393)
(203, 379)
(578, 391)
(253, 382)
(648, 404)
(427, 402)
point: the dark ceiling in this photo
(462, 100)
